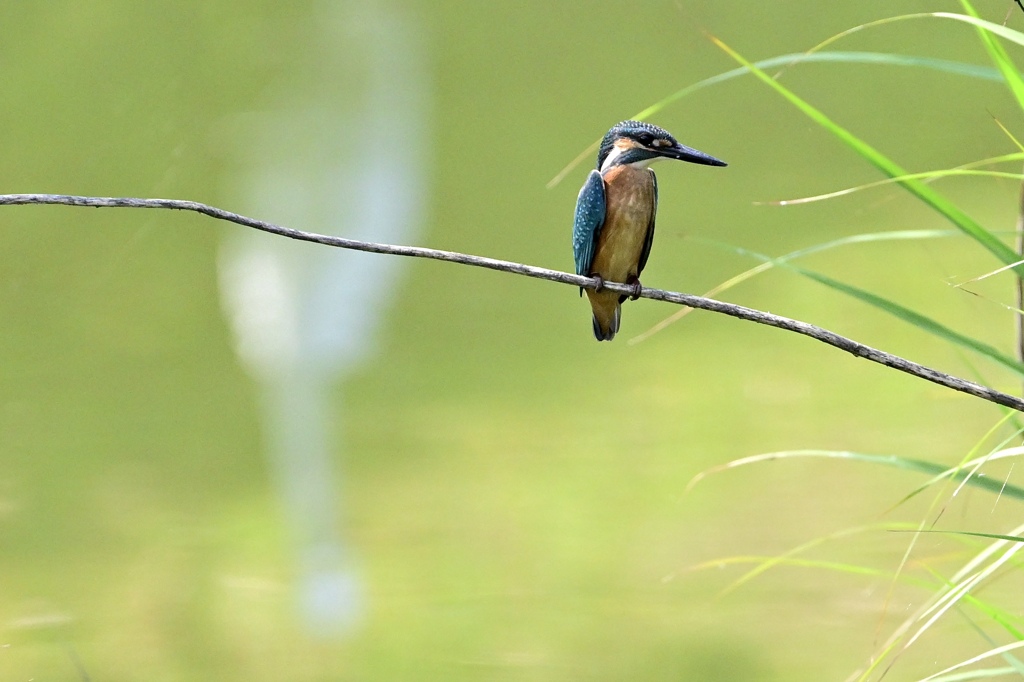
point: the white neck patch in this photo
(620, 147)
(615, 153)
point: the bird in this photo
(614, 224)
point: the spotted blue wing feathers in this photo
(590, 210)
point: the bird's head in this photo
(641, 144)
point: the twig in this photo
(738, 311)
(77, 662)
(1017, 280)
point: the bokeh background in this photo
(225, 456)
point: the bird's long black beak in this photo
(684, 153)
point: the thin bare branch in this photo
(825, 336)
(1017, 280)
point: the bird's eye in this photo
(645, 138)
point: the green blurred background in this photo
(506, 496)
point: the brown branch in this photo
(1017, 280)
(738, 311)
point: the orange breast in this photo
(629, 198)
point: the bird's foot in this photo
(636, 289)
(600, 283)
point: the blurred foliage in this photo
(513, 490)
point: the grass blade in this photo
(997, 29)
(983, 674)
(980, 657)
(875, 58)
(1000, 57)
(906, 314)
(936, 471)
(919, 189)
(799, 253)
(918, 320)
(989, 536)
(924, 175)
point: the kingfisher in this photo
(614, 226)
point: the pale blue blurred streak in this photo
(346, 161)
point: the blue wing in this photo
(590, 210)
(649, 238)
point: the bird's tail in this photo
(607, 312)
